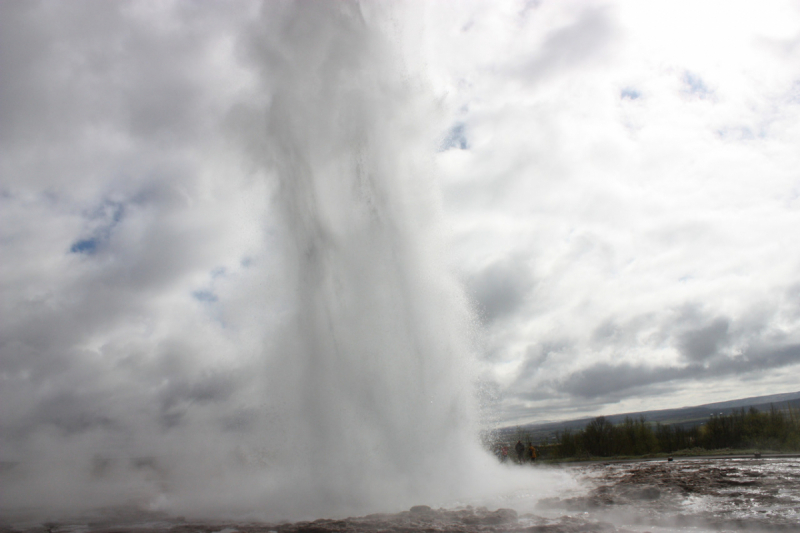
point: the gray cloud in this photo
(605, 379)
(103, 110)
(710, 349)
(578, 44)
(501, 288)
(71, 412)
(758, 359)
(705, 342)
(182, 394)
(101, 63)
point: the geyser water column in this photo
(371, 370)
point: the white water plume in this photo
(333, 376)
(373, 366)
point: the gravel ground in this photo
(693, 495)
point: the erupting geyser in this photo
(359, 396)
(372, 368)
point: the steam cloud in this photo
(242, 304)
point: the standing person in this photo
(504, 452)
(533, 452)
(520, 448)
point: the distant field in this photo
(545, 432)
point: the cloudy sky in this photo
(622, 182)
(619, 183)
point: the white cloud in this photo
(650, 166)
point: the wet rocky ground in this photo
(417, 519)
(691, 495)
(687, 495)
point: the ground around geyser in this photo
(695, 495)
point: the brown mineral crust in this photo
(418, 519)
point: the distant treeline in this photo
(775, 429)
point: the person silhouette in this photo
(520, 448)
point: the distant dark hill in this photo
(684, 416)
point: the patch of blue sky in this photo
(695, 85)
(104, 218)
(208, 301)
(205, 296)
(456, 138)
(109, 210)
(84, 246)
(629, 93)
